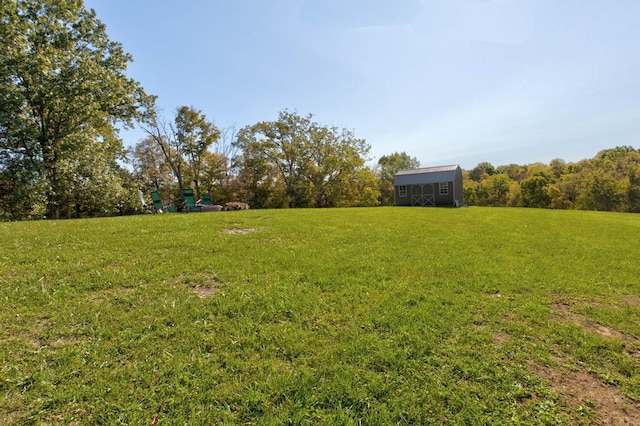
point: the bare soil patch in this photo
(32, 337)
(104, 296)
(65, 341)
(238, 230)
(563, 311)
(205, 286)
(631, 300)
(205, 291)
(501, 338)
(581, 389)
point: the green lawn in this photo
(324, 316)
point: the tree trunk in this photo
(50, 162)
(53, 198)
(197, 189)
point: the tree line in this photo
(610, 181)
(64, 95)
(292, 161)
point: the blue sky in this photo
(447, 81)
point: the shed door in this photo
(422, 195)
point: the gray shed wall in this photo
(423, 187)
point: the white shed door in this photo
(422, 195)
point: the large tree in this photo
(149, 165)
(388, 166)
(184, 143)
(312, 164)
(62, 88)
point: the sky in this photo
(446, 81)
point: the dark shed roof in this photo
(426, 175)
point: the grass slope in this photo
(337, 316)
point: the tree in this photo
(281, 145)
(470, 189)
(336, 170)
(609, 181)
(314, 165)
(614, 153)
(62, 88)
(497, 187)
(21, 191)
(184, 143)
(196, 135)
(149, 165)
(533, 191)
(540, 169)
(388, 166)
(602, 190)
(513, 171)
(481, 171)
(361, 190)
(221, 167)
(92, 183)
(515, 195)
(215, 177)
(557, 166)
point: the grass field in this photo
(336, 316)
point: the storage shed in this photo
(429, 186)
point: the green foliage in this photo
(62, 89)
(314, 165)
(513, 171)
(497, 189)
(388, 166)
(21, 192)
(532, 190)
(63, 92)
(481, 172)
(470, 192)
(196, 135)
(150, 167)
(610, 182)
(184, 146)
(323, 316)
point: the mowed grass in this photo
(337, 316)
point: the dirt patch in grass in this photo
(563, 311)
(501, 338)
(29, 337)
(205, 291)
(583, 391)
(498, 337)
(586, 393)
(205, 286)
(236, 231)
(103, 296)
(631, 300)
(202, 284)
(66, 341)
